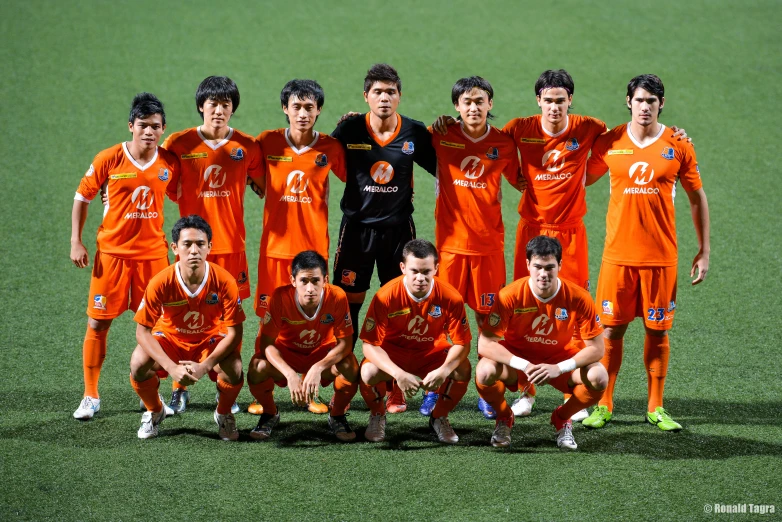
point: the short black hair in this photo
(552, 79)
(382, 72)
(220, 88)
(464, 85)
(308, 260)
(648, 82)
(544, 246)
(144, 105)
(192, 221)
(303, 90)
(421, 249)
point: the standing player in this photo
(472, 157)
(306, 330)
(381, 147)
(536, 316)
(403, 332)
(131, 243)
(189, 325)
(216, 161)
(638, 273)
(296, 213)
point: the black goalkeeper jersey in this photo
(379, 187)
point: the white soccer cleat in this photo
(565, 439)
(580, 415)
(441, 426)
(524, 405)
(150, 421)
(166, 407)
(501, 436)
(227, 426)
(88, 407)
(376, 429)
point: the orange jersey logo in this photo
(382, 172)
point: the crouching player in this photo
(404, 339)
(178, 329)
(306, 330)
(536, 316)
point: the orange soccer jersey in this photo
(468, 214)
(541, 330)
(132, 226)
(554, 166)
(213, 180)
(641, 219)
(292, 329)
(398, 321)
(190, 318)
(296, 212)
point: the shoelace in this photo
(88, 403)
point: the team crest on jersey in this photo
(159, 334)
(494, 319)
(493, 153)
(348, 320)
(608, 307)
(162, 174)
(321, 160)
(237, 154)
(349, 278)
(597, 319)
(263, 300)
(99, 302)
(90, 171)
(212, 299)
(326, 319)
(671, 306)
(212, 340)
(560, 314)
(267, 318)
(464, 321)
(435, 311)
(239, 301)
(588, 286)
(668, 153)
(571, 144)
(408, 147)
(369, 324)
(242, 278)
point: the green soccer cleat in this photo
(598, 418)
(662, 419)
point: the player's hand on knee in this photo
(296, 387)
(441, 124)
(348, 116)
(408, 383)
(542, 373)
(433, 380)
(310, 383)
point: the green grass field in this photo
(70, 70)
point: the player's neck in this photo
(475, 131)
(139, 153)
(309, 309)
(383, 125)
(192, 277)
(554, 128)
(301, 138)
(214, 134)
(643, 133)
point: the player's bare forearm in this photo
(699, 207)
(456, 354)
(336, 354)
(226, 345)
(274, 357)
(152, 347)
(591, 353)
(592, 178)
(79, 256)
(490, 347)
(380, 358)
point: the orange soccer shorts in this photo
(479, 278)
(118, 284)
(301, 362)
(236, 265)
(272, 272)
(182, 352)
(415, 362)
(575, 250)
(627, 292)
(543, 356)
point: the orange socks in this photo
(581, 398)
(495, 395)
(228, 394)
(657, 351)
(524, 384)
(612, 360)
(263, 393)
(148, 391)
(373, 396)
(93, 355)
(451, 392)
(344, 392)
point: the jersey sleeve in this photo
(90, 183)
(510, 128)
(512, 172)
(425, 155)
(233, 313)
(588, 321)
(151, 307)
(343, 325)
(174, 187)
(458, 328)
(689, 174)
(256, 170)
(499, 316)
(338, 165)
(272, 319)
(374, 329)
(596, 165)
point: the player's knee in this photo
(486, 372)
(230, 369)
(655, 333)
(99, 324)
(615, 332)
(257, 370)
(597, 377)
(463, 372)
(348, 368)
(140, 364)
(371, 374)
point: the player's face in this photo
(645, 107)
(192, 248)
(419, 274)
(554, 104)
(217, 113)
(147, 131)
(301, 113)
(474, 106)
(383, 99)
(543, 273)
(309, 286)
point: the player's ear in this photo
(174, 248)
(538, 98)
(130, 126)
(436, 268)
(402, 267)
(570, 100)
(293, 280)
(491, 104)
(628, 103)
(366, 99)
(662, 102)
